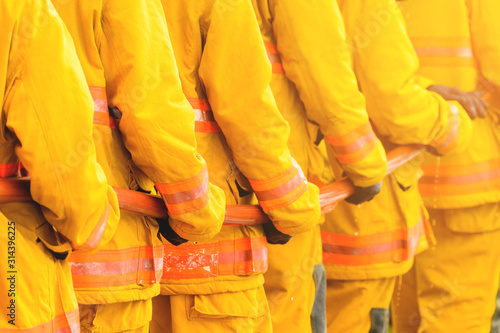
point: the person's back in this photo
(225, 74)
(146, 139)
(458, 44)
(317, 93)
(367, 247)
(41, 80)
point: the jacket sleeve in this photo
(485, 31)
(310, 38)
(157, 122)
(236, 75)
(49, 110)
(386, 64)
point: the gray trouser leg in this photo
(318, 314)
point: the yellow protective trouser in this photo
(295, 284)
(358, 306)
(127, 317)
(453, 286)
(238, 312)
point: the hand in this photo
(274, 236)
(169, 234)
(472, 102)
(363, 194)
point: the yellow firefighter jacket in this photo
(380, 238)
(313, 83)
(316, 91)
(225, 74)
(46, 117)
(458, 45)
(128, 61)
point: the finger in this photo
(468, 105)
(480, 108)
(478, 93)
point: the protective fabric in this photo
(37, 132)
(379, 238)
(306, 92)
(313, 104)
(469, 46)
(129, 65)
(453, 286)
(290, 284)
(37, 298)
(133, 317)
(243, 138)
(238, 312)
(463, 187)
(358, 306)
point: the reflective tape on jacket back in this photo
(222, 258)
(444, 51)
(450, 180)
(101, 112)
(116, 268)
(204, 121)
(393, 246)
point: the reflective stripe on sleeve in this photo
(449, 140)
(354, 146)
(96, 235)
(101, 112)
(187, 195)
(282, 190)
(204, 118)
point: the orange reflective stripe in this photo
(449, 140)
(233, 257)
(204, 118)
(101, 113)
(354, 146)
(274, 58)
(115, 268)
(444, 51)
(391, 246)
(282, 190)
(9, 169)
(96, 234)
(187, 195)
(447, 180)
(64, 323)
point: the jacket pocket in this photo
(236, 306)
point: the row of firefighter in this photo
(250, 166)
